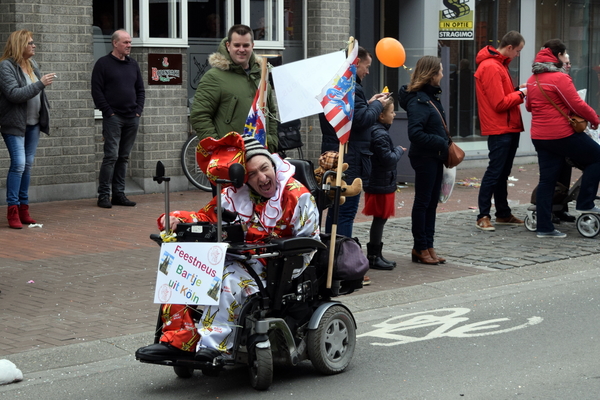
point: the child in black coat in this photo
(380, 194)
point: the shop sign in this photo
(165, 69)
(457, 20)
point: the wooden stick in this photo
(338, 183)
(262, 87)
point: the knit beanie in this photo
(254, 148)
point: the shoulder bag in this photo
(577, 123)
(455, 153)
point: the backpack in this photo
(349, 262)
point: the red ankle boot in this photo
(12, 215)
(24, 214)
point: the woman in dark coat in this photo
(428, 150)
(380, 192)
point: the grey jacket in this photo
(14, 93)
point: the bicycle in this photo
(190, 167)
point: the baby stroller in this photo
(290, 319)
(588, 225)
(562, 197)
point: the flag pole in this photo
(338, 184)
(262, 88)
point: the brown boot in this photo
(12, 214)
(434, 255)
(423, 257)
(24, 214)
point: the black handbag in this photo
(289, 135)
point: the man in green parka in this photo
(226, 91)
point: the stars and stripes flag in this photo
(256, 123)
(337, 97)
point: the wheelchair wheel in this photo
(190, 167)
(531, 222)
(261, 368)
(588, 225)
(183, 372)
(331, 345)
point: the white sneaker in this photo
(594, 210)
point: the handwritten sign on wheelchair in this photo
(190, 273)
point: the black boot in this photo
(385, 259)
(374, 256)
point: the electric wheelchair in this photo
(290, 319)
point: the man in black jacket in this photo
(118, 91)
(358, 156)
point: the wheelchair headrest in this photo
(305, 173)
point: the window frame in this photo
(144, 40)
(279, 17)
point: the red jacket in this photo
(547, 122)
(497, 100)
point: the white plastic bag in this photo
(447, 183)
(593, 133)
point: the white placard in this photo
(190, 273)
(297, 84)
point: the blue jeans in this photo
(22, 153)
(119, 135)
(551, 154)
(502, 149)
(428, 184)
(346, 216)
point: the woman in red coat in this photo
(554, 138)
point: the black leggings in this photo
(377, 230)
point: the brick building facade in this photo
(67, 162)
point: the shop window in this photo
(268, 19)
(572, 22)
(293, 32)
(493, 18)
(149, 22)
(206, 19)
(107, 18)
(265, 17)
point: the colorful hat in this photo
(254, 148)
(215, 156)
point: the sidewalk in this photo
(89, 273)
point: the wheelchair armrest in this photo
(297, 243)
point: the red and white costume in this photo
(290, 212)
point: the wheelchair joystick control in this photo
(236, 178)
(160, 178)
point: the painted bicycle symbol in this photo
(444, 323)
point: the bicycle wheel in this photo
(190, 167)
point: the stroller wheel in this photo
(588, 225)
(530, 221)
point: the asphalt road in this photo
(528, 333)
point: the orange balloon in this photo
(390, 52)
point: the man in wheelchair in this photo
(272, 204)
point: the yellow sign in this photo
(457, 20)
